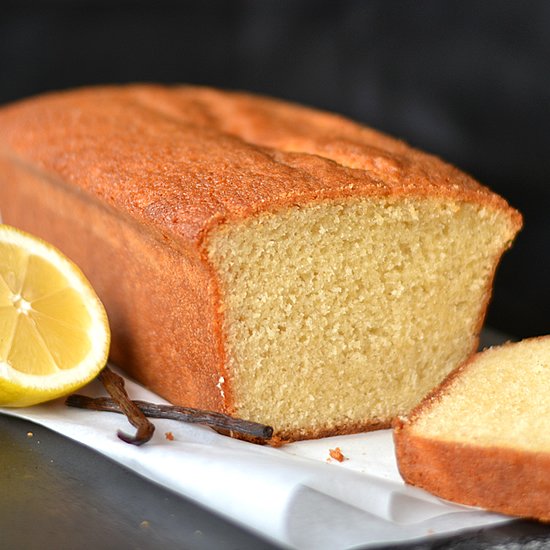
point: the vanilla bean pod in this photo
(175, 412)
(114, 384)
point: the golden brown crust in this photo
(282, 437)
(338, 429)
(184, 159)
(498, 479)
(160, 167)
(157, 335)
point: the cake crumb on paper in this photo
(169, 436)
(337, 454)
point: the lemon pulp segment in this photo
(44, 322)
(54, 334)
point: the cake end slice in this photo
(482, 438)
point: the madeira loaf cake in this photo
(256, 257)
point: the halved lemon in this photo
(54, 333)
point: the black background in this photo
(467, 80)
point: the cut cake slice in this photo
(483, 437)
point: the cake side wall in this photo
(161, 300)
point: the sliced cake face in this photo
(347, 313)
(502, 399)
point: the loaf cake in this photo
(483, 437)
(256, 257)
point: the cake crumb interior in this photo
(347, 313)
(503, 400)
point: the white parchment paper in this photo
(294, 495)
